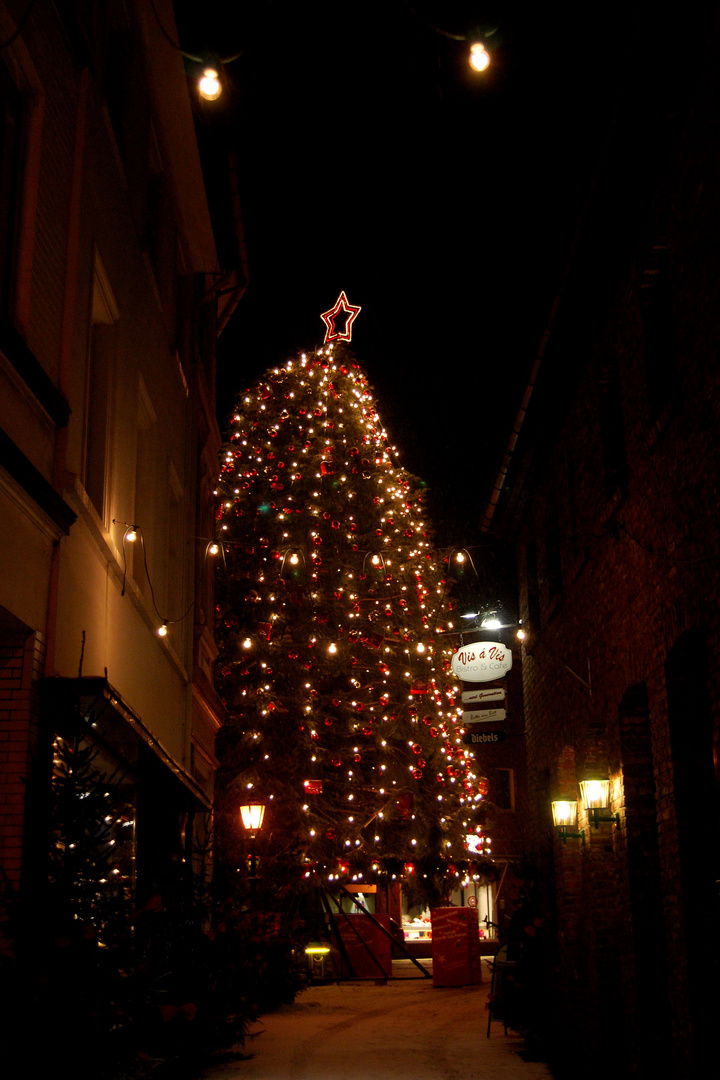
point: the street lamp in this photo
(595, 795)
(564, 813)
(252, 818)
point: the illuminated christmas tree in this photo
(333, 666)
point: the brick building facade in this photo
(111, 295)
(609, 492)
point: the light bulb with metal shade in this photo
(209, 86)
(479, 57)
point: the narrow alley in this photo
(404, 1028)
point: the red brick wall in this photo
(621, 668)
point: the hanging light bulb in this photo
(162, 630)
(209, 85)
(479, 57)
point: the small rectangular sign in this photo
(495, 693)
(487, 738)
(483, 716)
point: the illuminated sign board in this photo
(482, 661)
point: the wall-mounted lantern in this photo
(564, 814)
(595, 795)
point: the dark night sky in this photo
(372, 159)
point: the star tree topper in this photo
(342, 307)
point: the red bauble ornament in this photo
(417, 773)
(330, 833)
(416, 748)
(335, 762)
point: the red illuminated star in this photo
(342, 307)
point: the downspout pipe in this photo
(230, 290)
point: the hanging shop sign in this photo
(482, 661)
(493, 693)
(484, 738)
(483, 716)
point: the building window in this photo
(659, 332)
(10, 126)
(146, 463)
(176, 565)
(553, 560)
(612, 430)
(533, 587)
(97, 458)
(504, 789)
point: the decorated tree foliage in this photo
(334, 653)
